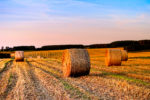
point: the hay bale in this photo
(113, 57)
(76, 62)
(19, 56)
(124, 56)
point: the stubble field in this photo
(40, 77)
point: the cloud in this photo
(24, 10)
(125, 20)
(47, 10)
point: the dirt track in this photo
(42, 80)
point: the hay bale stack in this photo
(113, 57)
(19, 56)
(124, 55)
(76, 62)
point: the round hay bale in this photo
(124, 56)
(76, 62)
(113, 57)
(19, 56)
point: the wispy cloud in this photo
(138, 19)
(46, 9)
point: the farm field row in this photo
(42, 79)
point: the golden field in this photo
(40, 77)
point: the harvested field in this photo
(42, 79)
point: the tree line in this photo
(129, 45)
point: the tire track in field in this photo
(7, 66)
(82, 90)
(81, 85)
(51, 83)
(23, 89)
(4, 80)
(76, 82)
(10, 85)
(108, 88)
(28, 86)
(41, 92)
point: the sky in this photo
(54, 22)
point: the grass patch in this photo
(10, 79)
(74, 90)
(6, 65)
(11, 84)
(147, 57)
(146, 71)
(137, 81)
(122, 77)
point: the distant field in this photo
(41, 78)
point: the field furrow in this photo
(100, 86)
(72, 91)
(28, 86)
(6, 78)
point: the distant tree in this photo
(60, 47)
(24, 48)
(97, 46)
(7, 48)
(144, 42)
(4, 55)
(124, 43)
(2, 48)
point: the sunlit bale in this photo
(19, 56)
(124, 56)
(113, 57)
(76, 62)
